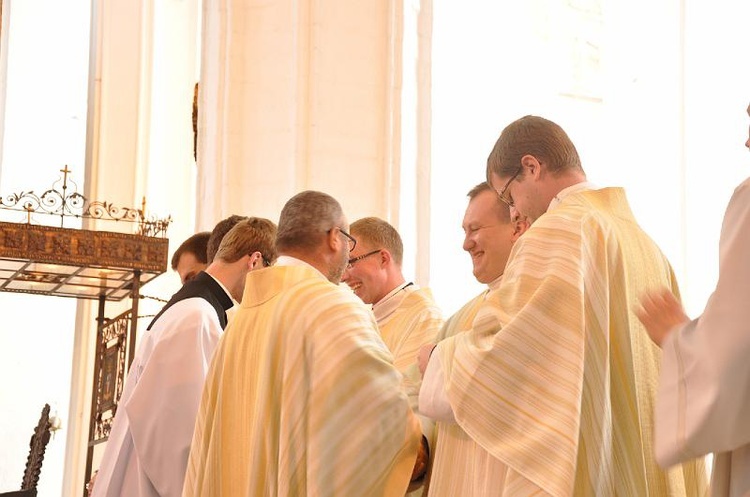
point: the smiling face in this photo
(488, 235)
(367, 275)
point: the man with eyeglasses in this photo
(302, 397)
(147, 451)
(490, 230)
(406, 314)
(557, 378)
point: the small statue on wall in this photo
(195, 123)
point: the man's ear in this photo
(520, 226)
(532, 165)
(385, 257)
(334, 239)
(255, 261)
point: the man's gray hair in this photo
(305, 219)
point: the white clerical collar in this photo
(288, 260)
(578, 187)
(388, 304)
(223, 288)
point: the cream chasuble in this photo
(409, 318)
(461, 466)
(413, 322)
(557, 378)
(704, 392)
(302, 398)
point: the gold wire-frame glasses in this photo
(354, 260)
(502, 194)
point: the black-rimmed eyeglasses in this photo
(352, 241)
(354, 260)
(502, 194)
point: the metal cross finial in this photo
(65, 172)
(64, 195)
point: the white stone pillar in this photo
(139, 144)
(295, 95)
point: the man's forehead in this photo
(483, 204)
(187, 258)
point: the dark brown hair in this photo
(532, 135)
(195, 245)
(218, 233)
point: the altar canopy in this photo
(106, 266)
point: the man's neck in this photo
(391, 301)
(393, 282)
(312, 259)
(565, 180)
(218, 271)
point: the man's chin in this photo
(335, 277)
(362, 298)
(483, 278)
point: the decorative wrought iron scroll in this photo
(58, 201)
(111, 374)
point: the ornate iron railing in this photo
(57, 201)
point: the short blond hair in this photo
(380, 234)
(254, 234)
(218, 234)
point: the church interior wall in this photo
(391, 107)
